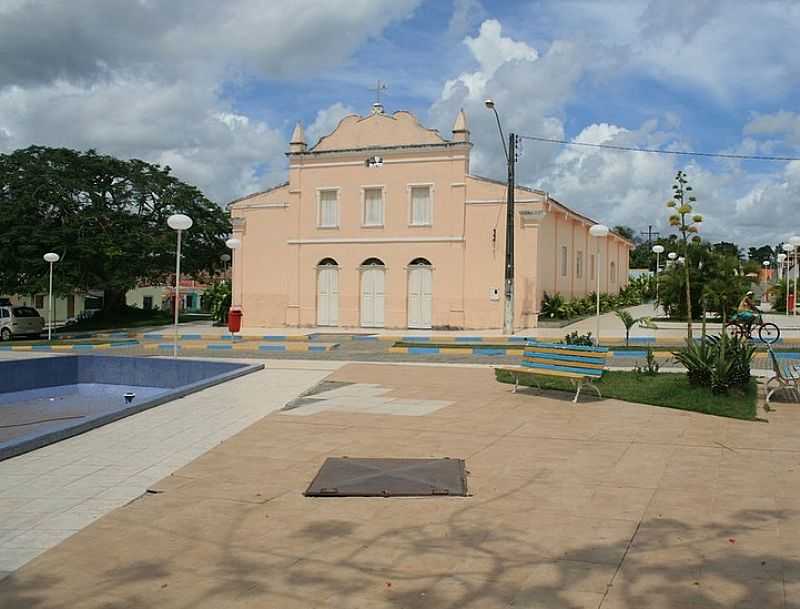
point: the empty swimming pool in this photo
(45, 400)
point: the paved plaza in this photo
(605, 505)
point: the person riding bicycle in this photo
(747, 311)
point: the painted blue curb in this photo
(190, 337)
(642, 339)
(218, 347)
(629, 354)
(168, 346)
(316, 348)
(488, 351)
(83, 347)
(272, 347)
(275, 337)
(518, 339)
(787, 355)
(358, 337)
(153, 336)
(42, 348)
(468, 339)
(423, 350)
(124, 345)
(416, 339)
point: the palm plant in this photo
(628, 321)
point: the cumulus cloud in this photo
(145, 78)
(42, 40)
(784, 124)
(183, 124)
(533, 88)
(326, 121)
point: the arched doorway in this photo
(327, 292)
(373, 273)
(420, 294)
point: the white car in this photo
(20, 321)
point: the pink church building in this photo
(382, 225)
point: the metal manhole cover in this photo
(344, 477)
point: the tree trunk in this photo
(113, 301)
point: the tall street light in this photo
(765, 264)
(657, 250)
(781, 258)
(51, 258)
(795, 241)
(598, 231)
(234, 244)
(226, 258)
(788, 248)
(511, 159)
(178, 223)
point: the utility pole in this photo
(508, 319)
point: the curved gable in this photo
(378, 130)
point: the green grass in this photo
(670, 390)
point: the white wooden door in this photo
(372, 291)
(420, 297)
(328, 297)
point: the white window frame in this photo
(364, 190)
(564, 261)
(431, 191)
(320, 190)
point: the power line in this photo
(719, 155)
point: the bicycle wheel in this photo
(734, 330)
(769, 333)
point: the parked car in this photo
(20, 321)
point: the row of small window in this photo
(612, 269)
(420, 206)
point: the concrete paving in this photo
(49, 494)
(605, 505)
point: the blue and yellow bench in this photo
(581, 365)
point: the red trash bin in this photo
(234, 320)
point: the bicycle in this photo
(768, 332)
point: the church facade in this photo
(382, 225)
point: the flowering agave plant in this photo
(686, 222)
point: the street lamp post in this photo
(51, 258)
(795, 241)
(657, 250)
(598, 231)
(789, 249)
(765, 264)
(234, 244)
(178, 223)
(511, 158)
(226, 258)
(781, 258)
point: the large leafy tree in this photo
(105, 217)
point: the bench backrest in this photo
(568, 359)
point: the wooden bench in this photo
(786, 377)
(581, 365)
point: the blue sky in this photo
(214, 89)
